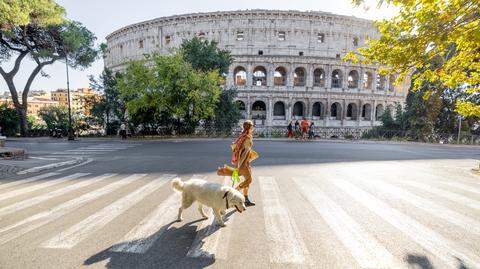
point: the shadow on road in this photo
(421, 261)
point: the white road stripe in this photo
(446, 194)
(285, 241)
(150, 229)
(74, 153)
(365, 248)
(22, 181)
(438, 211)
(80, 231)
(463, 187)
(436, 244)
(91, 150)
(206, 242)
(33, 222)
(38, 199)
(39, 186)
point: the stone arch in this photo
(298, 110)
(392, 109)
(367, 112)
(242, 108)
(319, 78)
(259, 76)
(317, 110)
(336, 111)
(259, 110)
(280, 76)
(367, 80)
(299, 77)
(279, 111)
(352, 79)
(379, 110)
(239, 76)
(352, 111)
(337, 78)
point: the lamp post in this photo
(70, 130)
(459, 128)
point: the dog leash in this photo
(235, 177)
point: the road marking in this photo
(151, 228)
(463, 187)
(75, 153)
(39, 186)
(91, 150)
(30, 179)
(48, 166)
(33, 222)
(38, 199)
(89, 160)
(286, 245)
(446, 194)
(436, 244)
(206, 242)
(365, 249)
(439, 211)
(80, 231)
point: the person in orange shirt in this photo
(305, 124)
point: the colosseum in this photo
(287, 64)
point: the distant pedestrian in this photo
(297, 129)
(123, 131)
(304, 125)
(290, 129)
(311, 133)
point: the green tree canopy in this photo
(8, 120)
(446, 32)
(206, 55)
(55, 117)
(23, 12)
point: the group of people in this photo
(301, 130)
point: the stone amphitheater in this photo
(287, 65)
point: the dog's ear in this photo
(225, 195)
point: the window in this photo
(140, 44)
(239, 35)
(260, 52)
(281, 35)
(320, 38)
(259, 76)
(336, 79)
(240, 76)
(319, 77)
(355, 41)
(300, 53)
(299, 77)
(338, 56)
(279, 77)
(168, 39)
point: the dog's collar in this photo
(225, 197)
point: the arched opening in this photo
(367, 80)
(240, 76)
(381, 82)
(279, 111)
(336, 111)
(298, 110)
(299, 77)
(317, 110)
(319, 77)
(241, 107)
(337, 79)
(367, 112)
(259, 110)
(353, 79)
(280, 77)
(259, 76)
(391, 81)
(379, 112)
(392, 110)
(352, 111)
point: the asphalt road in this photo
(319, 205)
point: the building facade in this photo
(287, 64)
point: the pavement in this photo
(320, 204)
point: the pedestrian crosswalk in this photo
(94, 150)
(334, 198)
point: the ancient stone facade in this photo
(287, 63)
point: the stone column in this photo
(290, 75)
(248, 105)
(344, 111)
(360, 79)
(359, 112)
(249, 75)
(309, 76)
(230, 81)
(328, 76)
(345, 78)
(308, 107)
(327, 112)
(289, 109)
(374, 82)
(269, 112)
(270, 74)
(372, 114)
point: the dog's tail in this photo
(177, 184)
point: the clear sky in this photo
(105, 16)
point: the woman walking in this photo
(290, 129)
(242, 155)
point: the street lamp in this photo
(70, 130)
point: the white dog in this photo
(214, 195)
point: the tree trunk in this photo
(22, 113)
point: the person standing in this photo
(304, 125)
(242, 156)
(311, 133)
(290, 129)
(123, 131)
(297, 129)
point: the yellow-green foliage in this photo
(23, 12)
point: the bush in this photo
(8, 120)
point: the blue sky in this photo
(105, 16)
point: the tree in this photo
(168, 87)
(23, 12)
(206, 55)
(227, 112)
(110, 109)
(8, 120)
(55, 117)
(45, 45)
(426, 31)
